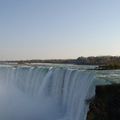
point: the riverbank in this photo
(112, 66)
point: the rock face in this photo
(106, 104)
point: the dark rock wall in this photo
(106, 104)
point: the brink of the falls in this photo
(43, 93)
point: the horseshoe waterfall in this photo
(45, 93)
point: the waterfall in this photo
(44, 93)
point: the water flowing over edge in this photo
(70, 89)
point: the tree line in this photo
(92, 60)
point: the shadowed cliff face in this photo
(106, 104)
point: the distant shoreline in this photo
(103, 62)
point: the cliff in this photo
(106, 104)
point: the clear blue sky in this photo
(45, 29)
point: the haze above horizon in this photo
(58, 29)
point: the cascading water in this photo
(42, 93)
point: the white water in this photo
(29, 93)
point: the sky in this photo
(58, 29)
